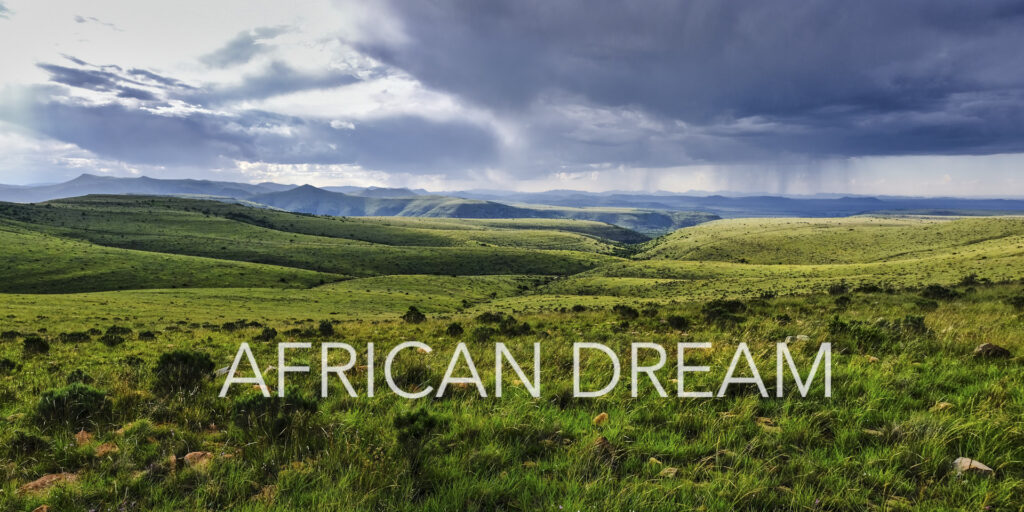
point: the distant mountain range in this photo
(647, 213)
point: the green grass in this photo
(877, 444)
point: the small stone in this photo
(46, 481)
(941, 406)
(668, 473)
(198, 459)
(422, 350)
(873, 359)
(654, 461)
(601, 419)
(964, 465)
(82, 437)
(871, 432)
(222, 371)
(42, 508)
(988, 350)
(105, 449)
(172, 462)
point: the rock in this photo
(873, 359)
(799, 337)
(871, 432)
(83, 437)
(198, 459)
(172, 462)
(106, 449)
(222, 371)
(668, 473)
(941, 406)
(768, 425)
(964, 465)
(422, 350)
(46, 481)
(42, 508)
(990, 351)
(654, 461)
(603, 449)
(601, 419)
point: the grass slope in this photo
(37, 263)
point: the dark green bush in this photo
(326, 328)
(74, 337)
(35, 345)
(8, 366)
(454, 329)
(118, 330)
(413, 316)
(25, 443)
(273, 417)
(724, 312)
(579, 308)
(678, 322)
(75, 405)
(1016, 302)
(840, 288)
(267, 334)
(939, 292)
(147, 335)
(182, 370)
(625, 311)
(9, 335)
(112, 340)
(79, 376)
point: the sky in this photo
(918, 97)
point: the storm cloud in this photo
(777, 96)
(817, 78)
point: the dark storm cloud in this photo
(812, 78)
(243, 47)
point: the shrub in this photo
(273, 417)
(939, 292)
(650, 311)
(579, 308)
(678, 322)
(454, 329)
(8, 366)
(112, 340)
(147, 336)
(724, 312)
(913, 324)
(625, 311)
(9, 335)
(326, 328)
(413, 316)
(74, 337)
(79, 376)
(489, 317)
(119, 331)
(843, 301)
(74, 405)
(482, 334)
(768, 294)
(25, 443)
(35, 345)
(267, 334)
(840, 288)
(182, 369)
(869, 288)
(1016, 302)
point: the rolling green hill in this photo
(816, 241)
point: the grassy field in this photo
(169, 288)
